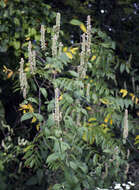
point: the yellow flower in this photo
(83, 28)
(124, 92)
(86, 77)
(93, 58)
(91, 81)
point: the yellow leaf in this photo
(30, 108)
(65, 49)
(24, 111)
(132, 95)
(92, 119)
(27, 69)
(103, 125)
(104, 101)
(93, 58)
(34, 120)
(86, 77)
(38, 126)
(27, 148)
(10, 74)
(106, 120)
(124, 92)
(88, 108)
(106, 130)
(60, 98)
(28, 38)
(111, 122)
(5, 69)
(137, 137)
(88, 137)
(73, 50)
(69, 55)
(83, 28)
(136, 100)
(91, 81)
(23, 107)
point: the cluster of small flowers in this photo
(43, 44)
(55, 44)
(23, 78)
(119, 186)
(57, 113)
(32, 58)
(125, 131)
(85, 49)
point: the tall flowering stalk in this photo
(43, 43)
(88, 40)
(23, 79)
(85, 49)
(56, 30)
(125, 131)
(32, 58)
(57, 114)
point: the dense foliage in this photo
(75, 120)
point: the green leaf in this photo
(33, 100)
(26, 116)
(38, 116)
(74, 74)
(73, 165)
(122, 68)
(75, 22)
(32, 181)
(52, 157)
(44, 92)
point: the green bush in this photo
(77, 120)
